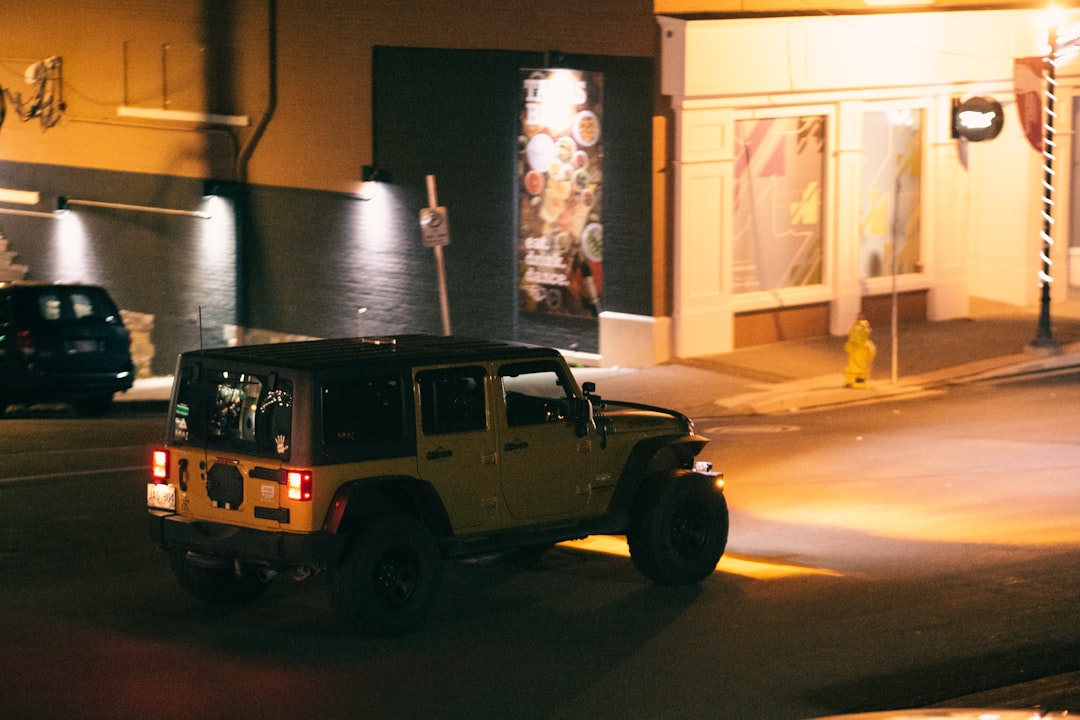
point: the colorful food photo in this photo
(560, 190)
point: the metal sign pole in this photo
(440, 267)
(895, 315)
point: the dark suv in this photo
(62, 343)
(374, 460)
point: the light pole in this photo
(1044, 337)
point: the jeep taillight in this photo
(25, 342)
(160, 466)
(298, 484)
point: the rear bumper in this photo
(65, 385)
(276, 549)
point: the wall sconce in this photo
(370, 176)
(221, 188)
(370, 173)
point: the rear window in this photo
(65, 304)
(244, 413)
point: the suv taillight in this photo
(160, 466)
(298, 484)
(25, 342)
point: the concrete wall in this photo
(980, 205)
(213, 57)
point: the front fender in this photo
(651, 457)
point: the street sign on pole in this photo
(434, 227)
(435, 231)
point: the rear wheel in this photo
(217, 585)
(679, 531)
(390, 579)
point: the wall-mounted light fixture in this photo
(64, 203)
(371, 173)
(221, 188)
(370, 177)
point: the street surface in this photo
(899, 554)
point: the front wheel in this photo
(679, 530)
(390, 579)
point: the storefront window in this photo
(891, 187)
(779, 176)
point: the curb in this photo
(830, 391)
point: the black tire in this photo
(217, 586)
(679, 530)
(389, 581)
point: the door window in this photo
(452, 400)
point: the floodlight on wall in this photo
(221, 188)
(370, 177)
(64, 203)
(371, 173)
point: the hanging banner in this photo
(1028, 86)
(560, 179)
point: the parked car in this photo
(374, 460)
(62, 343)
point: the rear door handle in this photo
(439, 454)
(515, 445)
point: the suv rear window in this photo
(243, 413)
(69, 305)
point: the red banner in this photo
(1028, 84)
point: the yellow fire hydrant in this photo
(861, 352)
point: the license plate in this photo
(85, 346)
(162, 497)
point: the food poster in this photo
(560, 179)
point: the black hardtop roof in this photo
(397, 350)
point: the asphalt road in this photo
(903, 554)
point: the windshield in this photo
(240, 412)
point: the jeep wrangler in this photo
(375, 460)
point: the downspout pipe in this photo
(242, 208)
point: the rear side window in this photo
(244, 413)
(49, 306)
(452, 400)
(365, 413)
